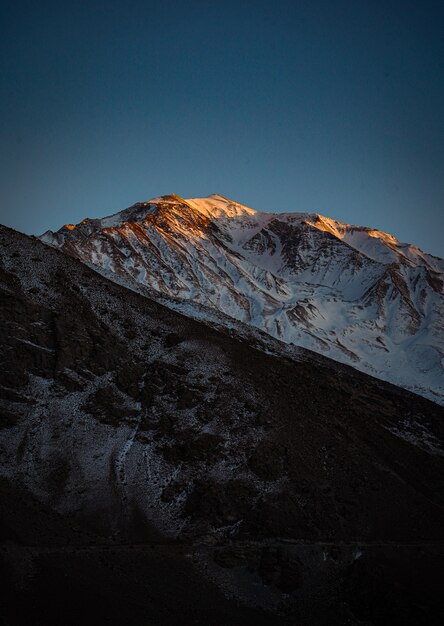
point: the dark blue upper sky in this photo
(328, 106)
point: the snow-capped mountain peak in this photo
(353, 293)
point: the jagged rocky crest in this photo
(354, 294)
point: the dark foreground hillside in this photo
(157, 471)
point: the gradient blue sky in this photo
(335, 107)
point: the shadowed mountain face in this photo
(352, 293)
(174, 473)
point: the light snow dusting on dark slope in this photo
(277, 481)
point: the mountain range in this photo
(352, 293)
(180, 443)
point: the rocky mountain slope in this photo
(158, 470)
(352, 293)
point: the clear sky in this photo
(329, 106)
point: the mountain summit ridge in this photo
(352, 293)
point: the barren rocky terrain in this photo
(159, 470)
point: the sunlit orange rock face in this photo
(70, 226)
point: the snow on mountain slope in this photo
(352, 293)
